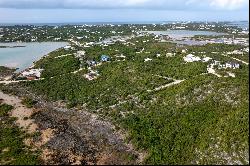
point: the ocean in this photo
(23, 57)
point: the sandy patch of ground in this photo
(24, 121)
(212, 71)
(20, 112)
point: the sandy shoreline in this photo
(35, 56)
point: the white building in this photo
(147, 59)
(170, 54)
(33, 72)
(79, 54)
(184, 51)
(233, 65)
(67, 47)
(246, 49)
(206, 59)
(92, 75)
(191, 58)
(237, 52)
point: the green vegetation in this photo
(208, 48)
(28, 102)
(5, 71)
(179, 125)
(5, 109)
(202, 120)
(85, 33)
(13, 150)
(244, 57)
(192, 118)
(58, 66)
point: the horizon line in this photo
(80, 22)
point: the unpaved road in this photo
(246, 63)
(176, 82)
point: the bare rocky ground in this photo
(78, 137)
(68, 136)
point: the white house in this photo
(206, 59)
(147, 59)
(67, 47)
(80, 54)
(191, 58)
(33, 72)
(246, 49)
(184, 51)
(233, 65)
(230, 65)
(170, 54)
(238, 52)
(92, 75)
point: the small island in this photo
(11, 46)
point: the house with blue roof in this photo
(105, 58)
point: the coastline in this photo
(33, 64)
(89, 111)
(18, 71)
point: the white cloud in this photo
(149, 4)
(104, 3)
(228, 4)
(220, 4)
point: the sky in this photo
(70, 11)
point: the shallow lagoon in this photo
(180, 34)
(182, 37)
(23, 57)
